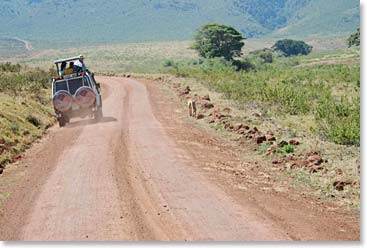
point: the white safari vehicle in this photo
(75, 95)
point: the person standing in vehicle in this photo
(79, 65)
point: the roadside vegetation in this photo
(25, 109)
(309, 97)
(329, 94)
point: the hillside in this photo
(51, 22)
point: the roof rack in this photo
(66, 60)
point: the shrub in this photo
(339, 121)
(244, 65)
(292, 47)
(168, 63)
(267, 56)
(354, 39)
(34, 120)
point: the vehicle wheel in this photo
(67, 119)
(62, 121)
(98, 116)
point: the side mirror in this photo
(98, 85)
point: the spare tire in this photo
(85, 97)
(62, 101)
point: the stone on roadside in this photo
(205, 98)
(200, 116)
(294, 142)
(282, 143)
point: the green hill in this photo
(51, 22)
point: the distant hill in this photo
(46, 22)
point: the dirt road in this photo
(129, 178)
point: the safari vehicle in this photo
(75, 95)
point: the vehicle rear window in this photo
(72, 85)
(61, 86)
(75, 84)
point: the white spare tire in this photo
(85, 97)
(62, 101)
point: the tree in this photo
(292, 47)
(217, 40)
(354, 39)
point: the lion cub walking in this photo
(192, 107)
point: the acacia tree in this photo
(292, 47)
(218, 40)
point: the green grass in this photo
(25, 109)
(327, 92)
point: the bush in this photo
(8, 67)
(354, 39)
(34, 120)
(339, 121)
(244, 65)
(267, 56)
(168, 63)
(292, 47)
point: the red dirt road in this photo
(129, 178)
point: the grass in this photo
(117, 58)
(326, 93)
(25, 109)
(143, 57)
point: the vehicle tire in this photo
(67, 119)
(62, 121)
(98, 116)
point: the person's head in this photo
(81, 57)
(71, 64)
(63, 65)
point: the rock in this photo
(186, 90)
(277, 161)
(219, 116)
(226, 126)
(205, 98)
(271, 138)
(227, 110)
(339, 185)
(246, 127)
(210, 121)
(282, 143)
(312, 152)
(270, 133)
(1, 170)
(200, 116)
(338, 171)
(257, 114)
(207, 105)
(314, 159)
(237, 127)
(253, 130)
(292, 166)
(128, 75)
(315, 169)
(259, 138)
(294, 142)
(270, 150)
